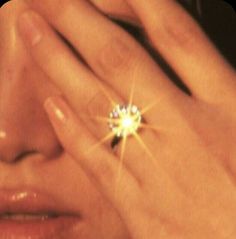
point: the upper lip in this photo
(30, 201)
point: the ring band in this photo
(115, 141)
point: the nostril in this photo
(20, 142)
(24, 155)
(16, 158)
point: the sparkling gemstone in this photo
(125, 120)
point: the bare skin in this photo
(184, 188)
(31, 156)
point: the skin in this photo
(186, 188)
(24, 84)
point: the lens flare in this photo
(125, 120)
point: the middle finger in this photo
(80, 86)
(112, 54)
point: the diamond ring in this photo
(124, 120)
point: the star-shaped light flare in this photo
(125, 121)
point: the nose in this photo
(24, 126)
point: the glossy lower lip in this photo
(26, 201)
(37, 229)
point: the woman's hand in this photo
(117, 9)
(176, 178)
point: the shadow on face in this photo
(31, 158)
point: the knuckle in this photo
(184, 35)
(104, 6)
(115, 56)
(98, 105)
(63, 9)
(97, 110)
(48, 7)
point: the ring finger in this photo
(113, 55)
(83, 91)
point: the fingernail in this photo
(29, 27)
(56, 109)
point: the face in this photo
(43, 192)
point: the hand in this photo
(117, 9)
(178, 179)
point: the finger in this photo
(100, 163)
(127, 196)
(113, 55)
(91, 99)
(186, 48)
(117, 9)
(143, 169)
(82, 91)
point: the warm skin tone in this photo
(188, 191)
(22, 83)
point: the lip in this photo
(33, 202)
